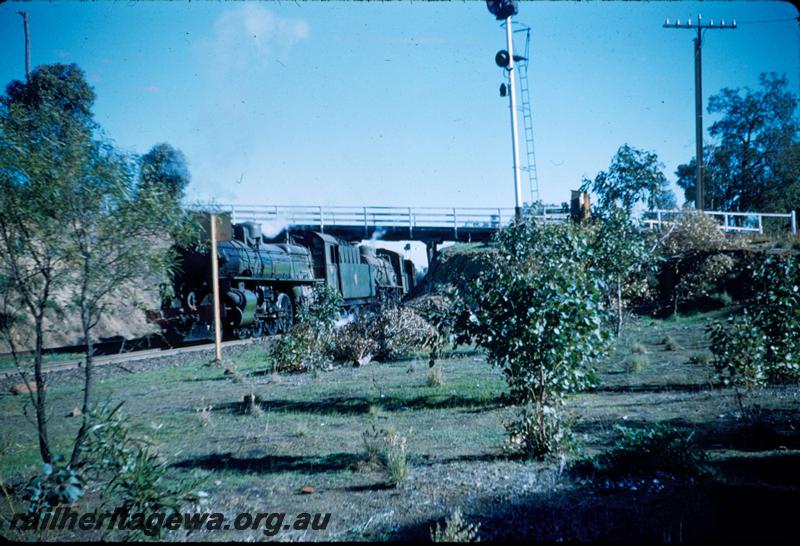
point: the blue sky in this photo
(397, 103)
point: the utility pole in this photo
(698, 94)
(24, 15)
(513, 107)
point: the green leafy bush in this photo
(655, 449)
(739, 351)
(776, 310)
(308, 343)
(56, 485)
(133, 473)
(304, 347)
(538, 308)
(762, 345)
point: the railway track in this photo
(118, 359)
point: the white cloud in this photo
(250, 35)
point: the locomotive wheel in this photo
(258, 329)
(285, 313)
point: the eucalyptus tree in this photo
(633, 177)
(754, 160)
(45, 132)
(71, 222)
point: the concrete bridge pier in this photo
(433, 252)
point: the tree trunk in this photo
(87, 384)
(619, 304)
(41, 417)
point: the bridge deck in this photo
(385, 223)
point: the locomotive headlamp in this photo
(502, 9)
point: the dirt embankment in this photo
(455, 265)
(63, 328)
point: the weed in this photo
(301, 429)
(455, 529)
(701, 359)
(435, 377)
(638, 349)
(387, 448)
(252, 405)
(635, 363)
(204, 413)
(670, 343)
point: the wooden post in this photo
(24, 15)
(215, 291)
(794, 221)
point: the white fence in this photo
(752, 222)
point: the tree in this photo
(45, 130)
(164, 169)
(619, 251)
(71, 221)
(119, 248)
(634, 176)
(538, 309)
(755, 162)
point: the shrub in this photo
(389, 334)
(56, 485)
(776, 311)
(763, 344)
(739, 351)
(641, 451)
(455, 529)
(133, 472)
(308, 343)
(304, 347)
(387, 449)
(694, 260)
(638, 349)
(539, 310)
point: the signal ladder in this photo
(527, 117)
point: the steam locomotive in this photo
(262, 283)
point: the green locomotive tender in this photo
(261, 283)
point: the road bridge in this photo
(430, 225)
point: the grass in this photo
(309, 432)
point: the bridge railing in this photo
(378, 217)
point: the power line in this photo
(763, 21)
